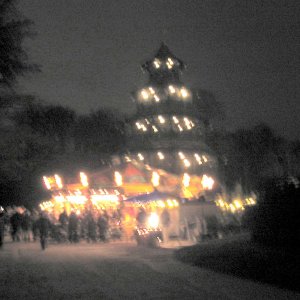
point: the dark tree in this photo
(275, 221)
(100, 132)
(13, 58)
(250, 156)
(53, 122)
(208, 108)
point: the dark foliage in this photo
(47, 139)
(99, 132)
(251, 156)
(13, 58)
(275, 221)
(246, 259)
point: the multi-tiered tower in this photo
(166, 131)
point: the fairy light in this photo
(59, 198)
(169, 65)
(172, 89)
(144, 127)
(170, 203)
(232, 208)
(180, 128)
(154, 128)
(138, 125)
(160, 155)
(118, 178)
(186, 180)
(58, 181)
(198, 158)
(144, 94)
(140, 156)
(187, 123)
(84, 179)
(181, 155)
(184, 92)
(170, 61)
(161, 119)
(151, 90)
(186, 163)
(175, 120)
(127, 158)
(238, 204)
(157, 99)
(156, 63)
(47, 182)
(155, 178)
(207, 182)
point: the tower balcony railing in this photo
(170, 107)
(170, 134)
(166, 141)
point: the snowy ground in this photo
(116, 270)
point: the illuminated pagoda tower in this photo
(166, 131)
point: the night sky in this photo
(245, 52)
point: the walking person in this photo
(26, 226)
(103, 228)
(165, 221)
(44, 225)
(34, 227)
(63, 219)
(73, 227)
(15, 221)
(91, 227)
(141, 217)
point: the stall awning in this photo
(154, 196)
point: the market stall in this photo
(155, 203)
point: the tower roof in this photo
(163, 53)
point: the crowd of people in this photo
(24, 225)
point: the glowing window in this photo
(154, 128)
(160, 155)
(186, 163)
(161, 119)
(172, 89)
(184, 93)
(151, 90)
(170, 61)
(181, 155)
(144, 94)
(156, 63)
